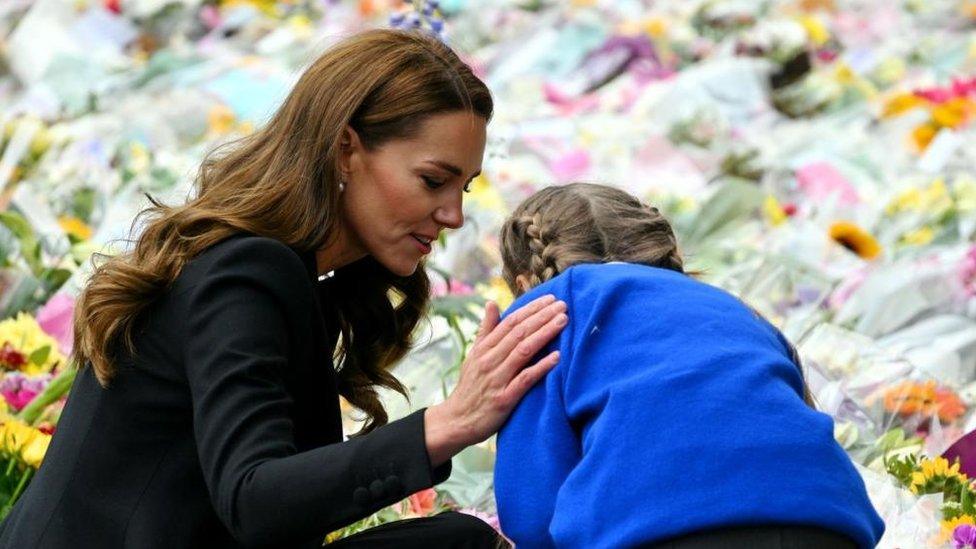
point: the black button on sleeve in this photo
(377, 490)
(393, 486)
(361, 496)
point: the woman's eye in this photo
(432, 183)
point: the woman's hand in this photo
(494, 377)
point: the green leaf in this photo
(966, 499)
(30, 248)
(39, 357)
(458, 306)
(732, 202)
(54, 278)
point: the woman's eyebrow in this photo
(451, 168)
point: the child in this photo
(676, 415)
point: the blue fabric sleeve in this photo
(537, 448)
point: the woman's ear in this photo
(522, 282)
(350, 147)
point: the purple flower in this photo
(18, 389)
(964, 536)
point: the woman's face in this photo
(399, 196)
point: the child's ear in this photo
(522, 282)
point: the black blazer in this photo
(223, 429)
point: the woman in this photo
(676, 417)
(207, 412)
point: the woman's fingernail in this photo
(561, 320)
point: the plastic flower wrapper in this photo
(910, 520)
(886, 387)
(942, 346)
(896, 293)
(883, 386)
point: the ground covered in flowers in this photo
(815, 156)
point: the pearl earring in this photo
(342, 186)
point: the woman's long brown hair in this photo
(282, 182)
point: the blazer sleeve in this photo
(239, 333)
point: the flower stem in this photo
(55, 390)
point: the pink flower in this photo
(967, 273)
(964, 536)
(423, 502)
(56, 318)
(456, 287)
(18, 390)
(571, 165)
(820, 180)
(210, 16)
(935, 95)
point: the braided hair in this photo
(562, 226)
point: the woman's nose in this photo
(450, 214)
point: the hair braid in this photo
(566, 225)
(543, 259)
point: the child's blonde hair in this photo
(562, 226)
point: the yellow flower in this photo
(919, 237)
(948, 526)
(497, 290)
(964, 193)
(935, 198)
(844, 73)
(774, 212)
(846, 76)
(14, 435)
(18, 438)
(954, 113)
(901, 104)
(75, 227)
(889, 71)
(220, 119)
(656, 27)
(27, 337)
(855, 239)
(923, 135)
(139, 159)
(34, 451)
(918, 479)
(909, 199)
(485, 195)
(818, 33)
(268, 7)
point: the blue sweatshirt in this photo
(673, 409)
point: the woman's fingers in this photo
(527, 378)
(489, 322)
(501, 330)
(526, 338)
(538, 337)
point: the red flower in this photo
(10, 358)
(423, 502)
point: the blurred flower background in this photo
(815, 156)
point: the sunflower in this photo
(855, 239)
